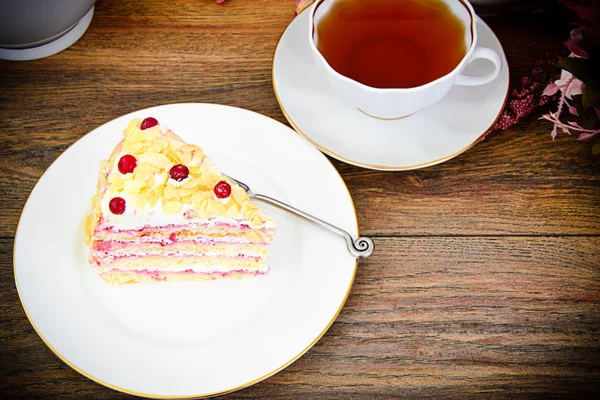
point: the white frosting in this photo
(222, 201)
(196, 268)
(154, 216)
(174, 182)
(176, 253)
(149, 216)
(197, 241)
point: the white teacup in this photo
(399, 103)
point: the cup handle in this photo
(476, 80)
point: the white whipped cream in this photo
(154, 216)
(196, 268)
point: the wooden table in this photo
(486, 278)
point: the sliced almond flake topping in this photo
(158, 150)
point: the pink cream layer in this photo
(173, 227)
(187, 272)
(175, 254)
(111, 245)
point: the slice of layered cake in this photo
(163, 212)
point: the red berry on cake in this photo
(127, 163)
(179, 172)
(117, 205)
(148, 123)
(222, 190)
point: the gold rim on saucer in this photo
(385, 119)
(376, 166)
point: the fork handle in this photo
(361, 248)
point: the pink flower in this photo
(569, 84)
(588, 11)
(573, 44)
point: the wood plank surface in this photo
(485, 281)
(428, 317)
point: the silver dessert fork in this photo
(361, 248)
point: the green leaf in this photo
(579, 67)
(591, 93)
(596, 148)
(588, 119)
(590, 42)
(577, 102)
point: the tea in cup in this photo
(391, 58)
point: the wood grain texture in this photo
(485, 281)
(427, 317)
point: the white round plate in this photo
(188, 339)
(431, 136)
(56, 46)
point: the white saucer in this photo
(56, 46)
(429, 137)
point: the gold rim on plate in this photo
(155, 396)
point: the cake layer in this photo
(178, 262)
(120, 277)
(214, 222)
(174, 233)
(117, 249)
